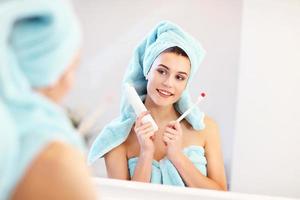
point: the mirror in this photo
(249, 45)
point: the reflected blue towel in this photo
(164, 172)
(39, 39)
(164, 36)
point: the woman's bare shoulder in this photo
(59, 154)
(210, 123)
(211, 128)
(211, 131)
(59, 171)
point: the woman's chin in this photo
(163, 102)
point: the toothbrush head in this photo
(201, 97)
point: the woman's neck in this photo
(160, 113)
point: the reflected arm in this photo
(216, 178)
(116, 163)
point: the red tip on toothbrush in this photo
(202, 94)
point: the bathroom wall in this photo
(266, 150)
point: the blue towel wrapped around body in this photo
(39, 40)
(164, 172)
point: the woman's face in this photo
(167, 78)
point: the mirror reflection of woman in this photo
(176, 154)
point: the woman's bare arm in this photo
(215, 167)
(116, 163)
(213, 153)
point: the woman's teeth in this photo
(165, 92)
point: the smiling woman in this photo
(183, 154)
(168, 76)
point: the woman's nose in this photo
(168, 82)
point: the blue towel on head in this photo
(39, 39)
(164, 36)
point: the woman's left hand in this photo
(173, 139)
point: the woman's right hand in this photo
(144, 133)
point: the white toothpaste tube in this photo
(138, 106)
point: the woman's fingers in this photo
(171, 130)
(149, 134)
(177, 126)
(142, 127)
(146, 136)
(140, 117)
(166, 139)
(172, 123)
(170, 136)
(145, 131)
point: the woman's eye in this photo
(179, 77)
(162, 71)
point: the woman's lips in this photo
(164, 93)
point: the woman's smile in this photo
(164, 93)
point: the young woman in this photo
(41, 154)
(176, 154)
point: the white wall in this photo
(266, 151)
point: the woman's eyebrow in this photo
(164, 66)
(183, 73)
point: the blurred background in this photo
(250, 74)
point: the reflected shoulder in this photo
(210, 122)
(211, 127)
(58, 172)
